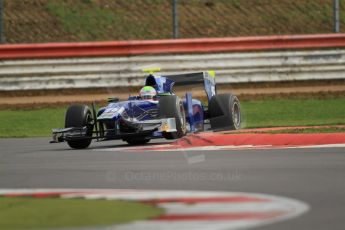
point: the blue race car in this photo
(156, 113)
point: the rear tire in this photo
(172, 107)
(79, 116)
(137, 141)
(225, 112)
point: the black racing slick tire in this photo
(79, 116)
(172, 107)
(225, 112)
(137, 141)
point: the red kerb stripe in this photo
(222, 216)
(234, 199)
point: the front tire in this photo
(79, 116)
(172, 107)
(225, 112)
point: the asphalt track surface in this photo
(315, 176)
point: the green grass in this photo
(270, 113)
(84, 20)
(309, 130)
(33, 213)
(265, 113)
(326, 129)
(79, 18)
(91, 20)
(30, 123)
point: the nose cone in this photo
(143, 109)
(111, 113)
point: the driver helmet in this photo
(148, 93)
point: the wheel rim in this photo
(183, 118)
(89, 124)
(89, 120)
(236, 115)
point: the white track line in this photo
(170, 148)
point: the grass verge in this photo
(30, 123)
(310, 130)
(293, 112)
(262, 113)
(85, 20)
(33, 213)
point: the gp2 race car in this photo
(137, 121)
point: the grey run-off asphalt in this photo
(315, 176)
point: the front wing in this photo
(147, 128)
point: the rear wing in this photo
(164, 84)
